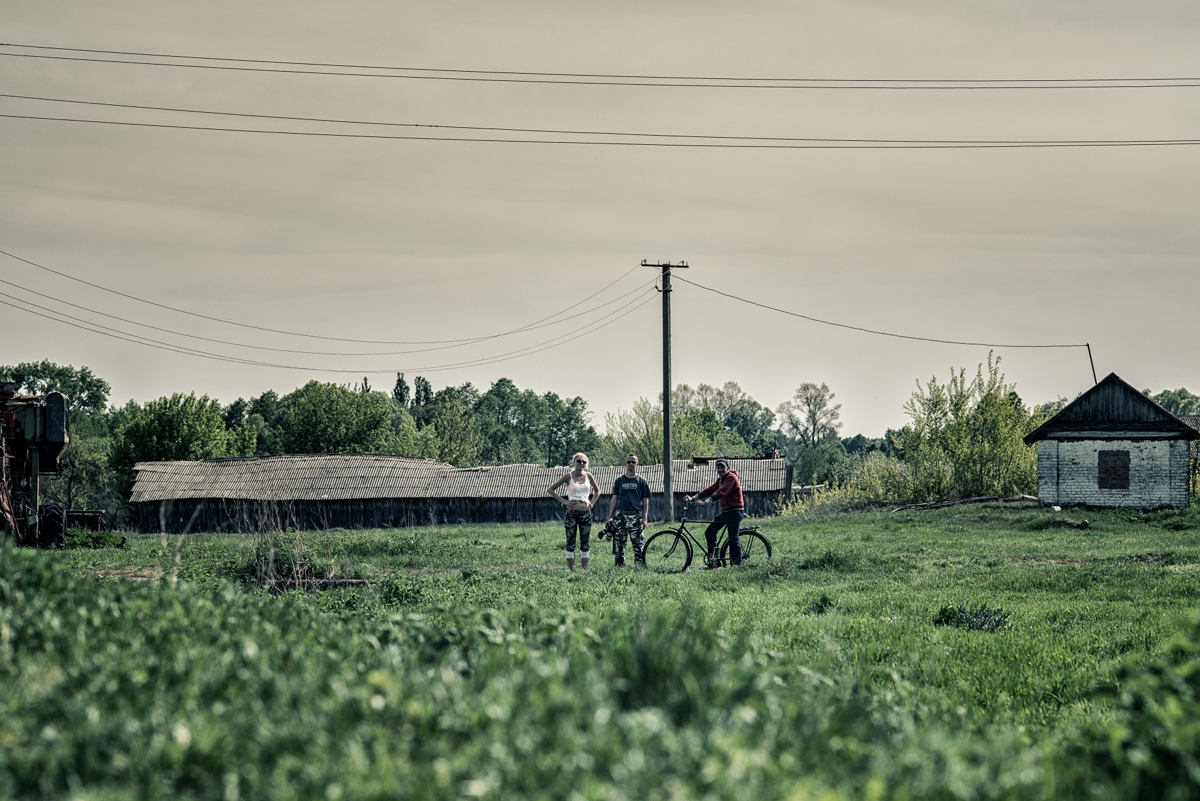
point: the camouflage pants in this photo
(629, 525)
(581, 521)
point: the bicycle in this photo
(672, 551)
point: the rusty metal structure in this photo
(33, 435)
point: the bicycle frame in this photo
(663, 546)
(722, 538)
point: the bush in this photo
(78, 538)
(874, 479)
(1152, 750)
(161, 689)
(966, 439)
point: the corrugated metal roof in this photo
(365, 476)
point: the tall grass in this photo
(873, 479)
(973, 652)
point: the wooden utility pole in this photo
(668, 490)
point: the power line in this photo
(849, 144)
(868, 330)
(309, 336)
(628, 134)
(605, 79)
(110, 332)
(290, 350)
(557, 341)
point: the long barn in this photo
(322, 491)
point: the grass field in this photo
(987, 651)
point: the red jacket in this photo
(727, 490)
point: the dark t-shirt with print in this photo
(629, 493)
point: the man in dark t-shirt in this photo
(630, 511)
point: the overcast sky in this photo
(400, 241)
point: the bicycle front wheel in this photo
(755, 548)
(668, 552)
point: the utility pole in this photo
(668, 490)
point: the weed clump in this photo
(980, 618)
(95, 540)
(819, 606)
(830, 560)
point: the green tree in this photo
(810, 422)
(511, 424)
(328, 418)
(734, 410)
(965, 438)
(428, 402)
(263, 415)
(178, 428)
(861, 445)
(83, 478)
(721, 400)
(400, 392)
(811, 416)
(422, 391)
(638, 430)
(455, 437)
(117, 416)
(403, 436)
(567, 431)
(1051, 408)
(752, 421)
(1176, 401)
(268, 406)
(699, 432)
(235, 413)
(85, 391)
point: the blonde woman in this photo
(582, 494)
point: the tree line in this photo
(963, 436)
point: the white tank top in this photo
(578, 492)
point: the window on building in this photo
(1113, 470)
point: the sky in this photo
(268, 252)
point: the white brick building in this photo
(1113, 446)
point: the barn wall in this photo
(219, 515)
(1069, 473)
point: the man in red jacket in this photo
(727, 490)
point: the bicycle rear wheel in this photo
(755, 548)
(668, 552)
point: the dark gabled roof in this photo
(1113, 405)
(366, 476)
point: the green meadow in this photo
(979, 651)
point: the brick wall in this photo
(1145, 474)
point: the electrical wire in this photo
(289, 350)
(627, 134)
(561, 74)
(50, 315)
(557, 341)
(866, 330)
(312, 336)
(847, 145)
(602, 79)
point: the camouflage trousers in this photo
(629, 526)
(581, 521)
